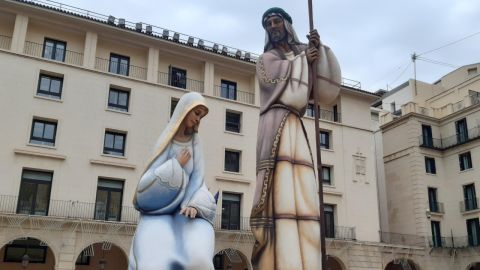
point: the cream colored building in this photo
(83, 98)
(431, 156)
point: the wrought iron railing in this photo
(242, 224)
(402, 239)
(69, 57)
(324, 115)
(120, 68)
(241, 96)
(453, 241)
(340, 232)
(436, 207)
(5, 42)
(450, 141)
(72, 210)
(188, 84)
(469, 205)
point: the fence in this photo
(241, 96)
(344, 233)
(450, 141)
(5, 42)
(402, 239)
(38, 50)
(242, 224)
(120, 68)
(187, 84)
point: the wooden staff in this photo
(313, 69)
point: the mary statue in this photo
(175, 230)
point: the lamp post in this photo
(25, 260)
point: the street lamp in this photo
(25, 260)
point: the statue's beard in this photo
(277, 36)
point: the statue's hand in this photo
(183, 157)
(314, 39)
(312, 54)
(189, 212)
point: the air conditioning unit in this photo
(201, 44)
(176, 37)
(224, 50)
(165, 33)
(238, 54)
(149, 30)
(215, 47)
(247, 56)
(190, 41)
(138, 27)
(111, 19)
(121, 23)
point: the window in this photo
(173, 105)
(54, 49)
(462, 130)
(393, 108)
(427, 139)
(336, 117)
(310, 112)
(473, 230)
(118, 99)
(43, 132)
(231, 211)
(83, 259)
(50, 86)
(30, 246)
(465, 161)
(119, 64)
(326, 175)
(470, 197)
(436, 235)
(430, 165)
(34, 195)
(178, 77)
(472, 71)
(228, 90)
(108, 204)
(325, 139)
(232, 161)
(329, 214)
(114, 143)
(432, 200)
(232, 121)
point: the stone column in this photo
(90, 50)
(152, 69)
(209, 79)
(19, 33)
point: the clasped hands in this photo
(313, 52)
(183, 157)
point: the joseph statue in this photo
(285, 218)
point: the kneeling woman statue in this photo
(175, 230)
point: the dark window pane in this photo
(232, 122)
(101, 204)
(114, 205)
(118, 142)
(26, 197)
(122, 99)
(38, 129)
(109, 140)
(228, 89)
(34, 195)
(232, 161)
(55, 86)
(113, 97)
(49, 131)
(42, 199)
(44, 83)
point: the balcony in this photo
(114, 67)
(240, 96)
(187, 84)
(66, 56)
(5, 42)
(436, 207)
(243, 225)
(324, 114)
(341, 233)
(73, 210)
(454, 242)
(450, 141)
(469, 205)
(402, 239)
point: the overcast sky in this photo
(372, 39)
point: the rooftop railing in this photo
(5, 42)
(61, 55)
(187, 83)
(402, 239)
(450, 141)
(120, 68)
(237, 95)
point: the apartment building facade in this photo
(83, 98)
(430, 154)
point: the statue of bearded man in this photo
(285, 218)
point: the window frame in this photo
(430, 166)
(41, 140)
(325, 145)
(43, 93)
(433, 200)
(109, 191)
(473, 242)
(173, 105)
(36, 183)
(237, 127)
(117, 107)
(113, 151)
(470, 197)
(237, 203)
(329, 233)
(436, 233)
(427, 135)
(119, 58)
(82, 259)
(54, 49)
(177, 81)
(26, 247)
(239, 160)
(324, 181)
(226, 87)
(461, 160)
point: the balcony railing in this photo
(69, 57)
(325, 115)
(402, 239)
(436, 207)
(241, 96)
(121, 69)
(243, 224)
(450, 141)
(5, 42)
(188, 84)
(339, 232)
(72, 210)
(454, 242)
(469, 205)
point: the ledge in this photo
(38, 154)
(110, 163)
(327, 191)
(236, 180)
